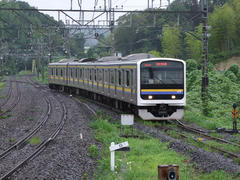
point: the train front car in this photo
(161, 89)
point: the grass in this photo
(21, 73)
(31, 119)
(93, 151)
(144, 157)
(34, 141)
(2, 85)
(11, 140)
(45, 80)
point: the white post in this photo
(112, 157)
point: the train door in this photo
(115, 82)
(112, 82)
(127, 87)
(131, 82)
(120, 83)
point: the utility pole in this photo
(205, 55)
(67, 42)
(111, 25)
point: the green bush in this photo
(234, 68)
(231, 76)
(191, 65)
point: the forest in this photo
(33, 35)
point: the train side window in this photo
(112, 79)
(85, 73)
(95, 75)
(61, 73)
(100, 75)
(106, 75)
(56, 72)
(90, 73)
(52, 71)
(128, 78)
(80, 73)
(119, 77)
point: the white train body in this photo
(153, 88)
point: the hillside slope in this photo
(224, 65)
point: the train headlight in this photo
(150, 97)
(173, 97)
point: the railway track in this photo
(7, 97)
(206, 135)
(15, 102)
(29, 135)
(34, 151)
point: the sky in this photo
(89, 4)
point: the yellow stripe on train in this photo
(161, 90)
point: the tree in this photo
(193, 44)
(77, 42)
(171, 42)
(223, 28)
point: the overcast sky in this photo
(89, 4)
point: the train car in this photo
(154, 88)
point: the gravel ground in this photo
(67, 156)
(205, 161)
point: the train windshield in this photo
(162, 73)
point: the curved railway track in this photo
(7, 97)
(15, 102)
(29, 135)
(41, 146)
(206, 135)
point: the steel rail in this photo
(42, 146)
(229, 154)
(197, 131)
(14, 104)
(29, 135)
(8, 95)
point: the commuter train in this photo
(153, 88)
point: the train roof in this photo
(111, 60)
